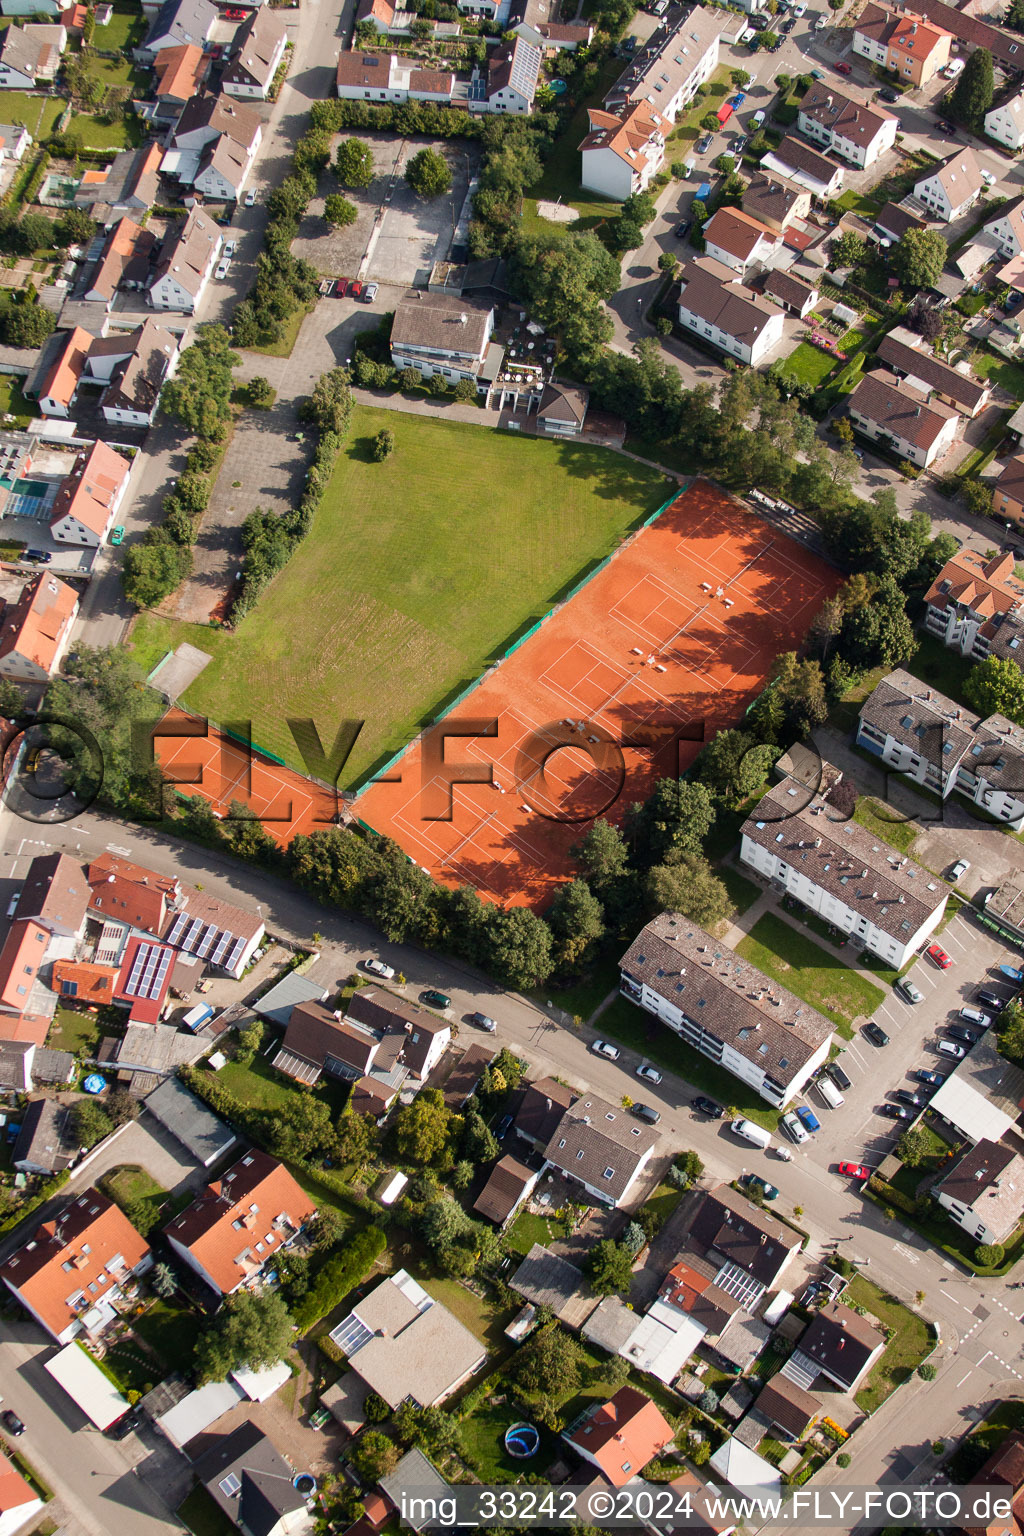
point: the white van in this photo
(829, 1092)
(953, 68)
(751, 1132)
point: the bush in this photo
(926, 1371)
(708, 1401)
(338, 1276)
(377, 1411)
(988, 1255)
(843, 1459)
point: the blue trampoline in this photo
(522, 1441)
(94, 1083)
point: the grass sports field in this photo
(416, 573)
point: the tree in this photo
(301, 1129)
(576, 919)
(249, 1330)
(375, 1409)
(428, 174)
(90, 1122)
(374, 1455)
(686, 883)
(248, 1042)
(849, 250)
(26, 325)
(913, 1147)
(1011, 1032)
(199, 395)
(421, 1128)
(677, 814)
(163, 1282)
(326, 1229)
(12, 700)
(465, 392)
(551, 1362)
(996, 687)
(73, 227)
(353, 164)
(121, 1106)
(918, 257)
(926, 1371)
(1015, 16)
(339, 212)
(739, 78)
(601, 854)
(261, 393)
(383, 445)
(988, 1255)
(733, 764)
(478, 1144)
(708, 1402)
(609, 1267)
(563, 274)
(517, 947)
(972, 96)
(633, 1237)
(329, 407)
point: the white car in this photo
(603, 1048)
(229, 250)
(250, 199)
(378, 968)
(959, 869)
(222, 267)
(791, 1125)
(649, 1074)
(799, 10)
(12, 905)
(821, 24)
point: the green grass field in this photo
(803, 967)
(1001, 371)
(37, 113)
(416, 573)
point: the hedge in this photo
(340, 1274)
(45, 1192)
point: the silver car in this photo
(378, 968)
(908, 991)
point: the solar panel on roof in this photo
(206, 942)
(195, 929)
(222, 945)
(233, 958)
(177, 928)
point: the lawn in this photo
(133, 1367)
(203, 1517)
(1001, 371)
(13, 402)
(78, 1033)
(943, 668)
(481, 1434)
(584, 996)
(528, 1229)
(170, 1332)
(484, 1321)
(561, 178)
(130, 1183)
(797, 963)
(125, 28)
(808, 365)
(742, 892)
(98, 133)
(971, 1455)
(37, 113)
(289, 336)
(890, 828)
(909, 1345)
(416, 574)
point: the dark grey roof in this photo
(726, 996)
(414, 1471)
(277, 1004)
(46, 1139)
(853, 120)
(188, 1119)
(16, 1063)
(801, 157)
(503, 1190)
(978, 1172)
(550, 1281)
(544, 1103)
(894, 221)
(727, 1224)
(790, 289)
(464, 1077)
(264, 1494)
(840, 1341)
(187, 21)
(53, 1066)
(951, 734)
(923, 364)
(594, 1137)
(845, 859)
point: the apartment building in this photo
(439, 334)
(907, 44)
(975, 606)
(665, 76)
(946, 747)
(983, 1193)
(739, 241)
(718, 309)
(724, 1007)
(849, 128)
(623, 150)
(903, 419)
(911, 357)
(1005, 122)
(845, 874)
(950, 190)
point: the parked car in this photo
(250, 198)
(435, 999)
(40, 556)
(369, 293)
(821, 24)
(484, 1021)
(648, 1073)
(355, 290)
(787, 26)
(739, 144)
(950, 1048)
(842, 68)
(12, 905)
(707, 1107)
(503, 1126)
(933, 1079)
(906, 989)
(339, 288)
(1004, 970)
(606, 1049)
(938, 954)
(854, 1171)
(958, 1032)
(889, 95)
(235, 15)
(791, 1125)
(976, 1017)
(12, 1423)
(991, 999)
(223, 266)
(808, 1118)
(117, 534)
(230, 249)
(755, 1181)
(876, 1034)
(681, 229)
(912, 1100)
(817, 74)
(894, 1112)
(800, 9)
(757, 119)
(645, 1112)
(838, 1076)
(704, 144)
(378, 968)
(959, 869)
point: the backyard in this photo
(999, 370)
(388, 608)
(909, 1345)
(203, 1517)
(808, 364)
(820, 979)
(561, 179)
(37, 113)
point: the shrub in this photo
(375, 1408)
(926, 1371)
(988, 1255)
(708, 1401)
(338, 1276)
(843, 1459)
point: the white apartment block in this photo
(719, 310)
(665, 78)
(849, 128)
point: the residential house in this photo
(739, 241)
(838, 1344)
(241, 1223)
(1008, 491)
(949, 190)
(124, 262)
(135, 369)
(658, 1345)
(775, 202)
(984, 1192)
(19, 1501)
(35, 631)
(976, 605)
(213, 146)
(621, 1436)
(980, 1098)
(849, 128)
(601, 1147)
(893, 221)
(70, 1273)
(89, 499)
(917, 731)
(251, 1483)
(23, 954)
(178, 74)
(463, 1080)
(1003, 1469)
(130, 184)
(903, 420)
(533, 22)
(176, 23)
(796, 295)
(46, 1142)
(384, 77)
(911, 357)
(259, 48)
(509, 1184)
(724, 1008)
(562, 409)
(847, 875)
(427, 1037)
(1005, 121)
(187, 259)
(538, 1116)
(736, 1238)
(62, 370)
(1007, 228)
(623, 150)
(439, 334)
(513, 72)
(667, 73)
(405, 1345)
(805, 167)
(718, 309)
(789, 1409)
(54, 895)
(31, 54)
(972, 32)
(900, 41)
(318, 1041)
(14, 140)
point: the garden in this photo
(802, 967)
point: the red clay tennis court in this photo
(221, 770)
(667, 644)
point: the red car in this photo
(938, 954)
(235, 15)
(843, 69)
(340, 288)
(854, 1171)
(355, 290)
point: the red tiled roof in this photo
(85, 982)
(88, 492)
(623, 1435)
(736, 232)
(62, 380)
(144, 979)
(15, 1493)
(36, 626)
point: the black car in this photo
(645, 1112)
(914, 1100)
(933, 1079)
(776, 45)
(12, 1423)
(39, 556)
(739, 144)
(876, 1034)
(838, 1076)
(708, 1107)
(503, 1125)
(958, 1032)
(681, 228)
(894, 1111)
(889, 95)
(788, 25)
(990, 999)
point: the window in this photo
(230, 1485)
(578, 1156)
(609, 1173)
